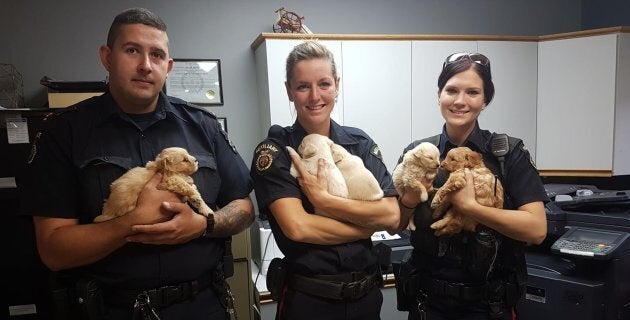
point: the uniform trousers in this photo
(299, 305)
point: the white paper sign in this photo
(17, 130)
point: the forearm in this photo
(527, 224)
(300, 226)
(64, 244)
(235, 217)
(382, 214)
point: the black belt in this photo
(348, 286)
(160, 297)
(462, 291)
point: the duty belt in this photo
(462, 291)
(160, 297)
(349, 286)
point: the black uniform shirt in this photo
(272, 181)
(85, 147)
(521, 185)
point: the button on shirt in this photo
(84, 148)
(272, 181)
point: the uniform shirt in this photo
(521, 185)
(83, 148)
(272, 181)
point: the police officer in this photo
(161, 257)
(481, 274)
(331, 272)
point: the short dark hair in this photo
(133, 16)
(453, 68)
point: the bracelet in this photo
(209, 226)
(404, 206)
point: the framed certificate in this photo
(197, 81)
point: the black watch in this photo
(209, 226)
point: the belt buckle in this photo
(170, 294)
(349, 290)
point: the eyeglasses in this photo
(474, 57)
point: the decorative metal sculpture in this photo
(289, 22)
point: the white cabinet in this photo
(514, 74)
(582, 101)
(377, 93)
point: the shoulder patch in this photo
(529, 156)
(265, 153)
(376, 151)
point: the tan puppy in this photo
(362, 185)
(175, 164)
(314, 147)
(417, 171)
(488, 190)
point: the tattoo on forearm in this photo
(231, 220)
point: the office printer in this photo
(582, 269)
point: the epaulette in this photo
(178, 101)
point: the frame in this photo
(197, 81)
(223, 123)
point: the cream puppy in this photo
(314, 147)
(417, 171)
(175, 164)
(362, 185)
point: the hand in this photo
(314, 187)
(149, 207)
(183, 227)
(410, 198)
(464, 199)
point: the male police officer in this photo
(161, 257)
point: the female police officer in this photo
(332, 273)
(473, 275)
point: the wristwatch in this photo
(209, 226)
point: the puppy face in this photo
(461, 157)
(314, 144)
(427, 154)
(176, 160)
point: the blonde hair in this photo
(306, 51)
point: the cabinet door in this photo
(427, 60)
(514, 74)
(377, 93)
(275, 106)
(576, 102)
(621, 159)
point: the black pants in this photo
(477, 312)
(298, 305)
(204, 306)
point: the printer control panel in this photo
(585, 242)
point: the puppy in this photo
(362, 185)
(488, 189)
(417, 171)
(314, 147)
(175, 164)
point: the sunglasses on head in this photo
(474, 57)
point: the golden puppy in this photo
(175, 164)
(488, 189)
(417, 171)
(362, 185)
(314, 147)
